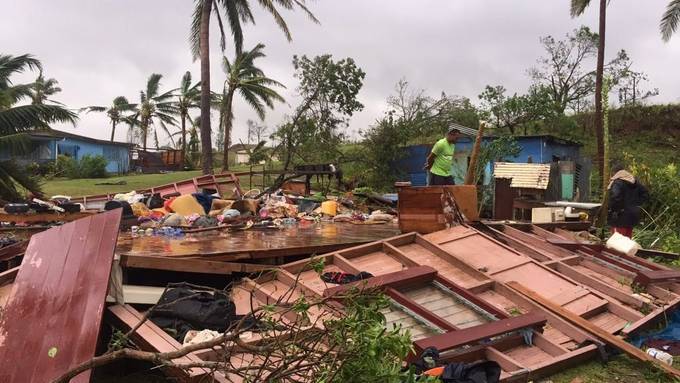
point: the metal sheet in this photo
(531, 176)
(51, 322)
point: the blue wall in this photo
(118, 156)
(541, 149)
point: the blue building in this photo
(537, 149)
(48, 144)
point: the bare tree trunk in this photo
(184, 135)
(599, 123)
(113, 130)
(228, 120)
(206, 141)
(472, 167)
(145, 131)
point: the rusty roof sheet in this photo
(531, 176)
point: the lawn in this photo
(91, 186)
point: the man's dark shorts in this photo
(436, 180)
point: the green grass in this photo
(87, 186)
(620, 369)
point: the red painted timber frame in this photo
(51, 321)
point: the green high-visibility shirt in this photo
(443, 160)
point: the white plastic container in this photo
(660, 355)
(622, 244)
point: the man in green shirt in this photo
(440, 160)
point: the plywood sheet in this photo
(51, 322)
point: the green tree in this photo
(44, 88)
(155, 108)
(17, 118)
(670, 20)
(425, 116)
(253, 86)
(188, 97)
(328, 90)
(116, 113)
(512, 112)
(236, 13)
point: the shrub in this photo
(87, 167)
(93, 167)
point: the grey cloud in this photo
(105, 48)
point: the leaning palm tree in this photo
(251, 83)
(236, 12)
(17, 118)
(577, 9)
(115, 112)
(44, 88)
(670, 20)
(188, 97)
(155, 108)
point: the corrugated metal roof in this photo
(464, 130)
(532, 176)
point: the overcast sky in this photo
(100, 49)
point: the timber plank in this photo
(58, 297)
(593, 329)
(194, 265)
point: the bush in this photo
(87, 167)
(660, 226)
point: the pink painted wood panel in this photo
(52, 319)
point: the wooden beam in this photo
(646, 277)
(591, 328)
(402, 278)
(8, 276)
(192, 265)
(455, 339)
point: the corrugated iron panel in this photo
(523, 175)
(51, 321)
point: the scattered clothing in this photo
(187, 205)
(340, 278)
(429, 364)
(204, 200)
(195, 337)
(667, 345)
(183, 309)
(205, 221)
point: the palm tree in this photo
(577, 9)
(670, 20)
(188, 97)
(155, 108)
(253, 86)
(44, 88)
(17, 119)
(236, 12)
(119, 106)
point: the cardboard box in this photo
(542, 215)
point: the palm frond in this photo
(16, 144)
(186, 83)
(578, 7)
(269, 6)
(670, 20)
(167, 131)
(153, 84)
(195, 34)
(89, 109)
(26, 117)
(301, 4)
(14, 179)
(10, 65)
(254, 101)
(234, 18)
